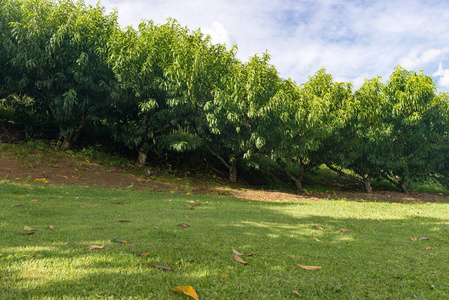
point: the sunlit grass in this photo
(376, 258)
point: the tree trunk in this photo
(70, 139)
(402, 186)
(233, 172)
(297, 180)
(367, 184)
(142, 157)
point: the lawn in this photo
(366, 250)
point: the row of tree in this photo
(165, 87)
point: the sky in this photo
(352, 39)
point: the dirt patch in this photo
(60, 168)
(57, 169)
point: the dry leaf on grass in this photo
(32, 256)
(241, 254)
(184, 225)
(94, 247)
(320, 228)
(160, 267)
(121, 220)
(424, 239)
(318, 240)
(33, 200)
(28, 230)
(15, 205)
(118, 202)
(143, 254)
(296, 293)
(223, 275)
(188, 290)
(238, 259)
(414, 239)
(428, 248)
(343, 229)
(51, 227)
(309, 267)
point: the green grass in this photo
(375, 259)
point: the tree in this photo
(60, 57)
(150, 109)
(198, 72)
(418, 126)
(310, 119)
(396, 126)
(365, 135)
(240, 116)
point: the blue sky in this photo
(352, 39)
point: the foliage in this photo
(310, 119)
(161, 87)
(58, 50)
(241, 118)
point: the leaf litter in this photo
(188, 290)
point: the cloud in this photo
(219, 34)
(443, 76)
(350, 38)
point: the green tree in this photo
(240, 117)
(310, 120)
(60, 56)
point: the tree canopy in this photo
(163, 87)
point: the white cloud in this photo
(219, 34)
(443, 76)
(350, 38)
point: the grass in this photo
(376, 258)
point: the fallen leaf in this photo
(197, 204)
(223, 275)
(428, 248)
(95, 247)
(33, 200)
(155, 227)
(236, 252)
(15, 205)
(318, 240)
(241, 254)
(32, 256)
(296, 293)
(143, 254)
(188, 205)
(238, 259)
(160, 267)
(309, 267)
(121, 220)
(29, 230)
(118, 202)
(186, 216)
(424, 239)
(51, 227)
(117, 240)
(414, 239)
(343, 229)
(188, 290)
(320, 228)
(184, 225)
